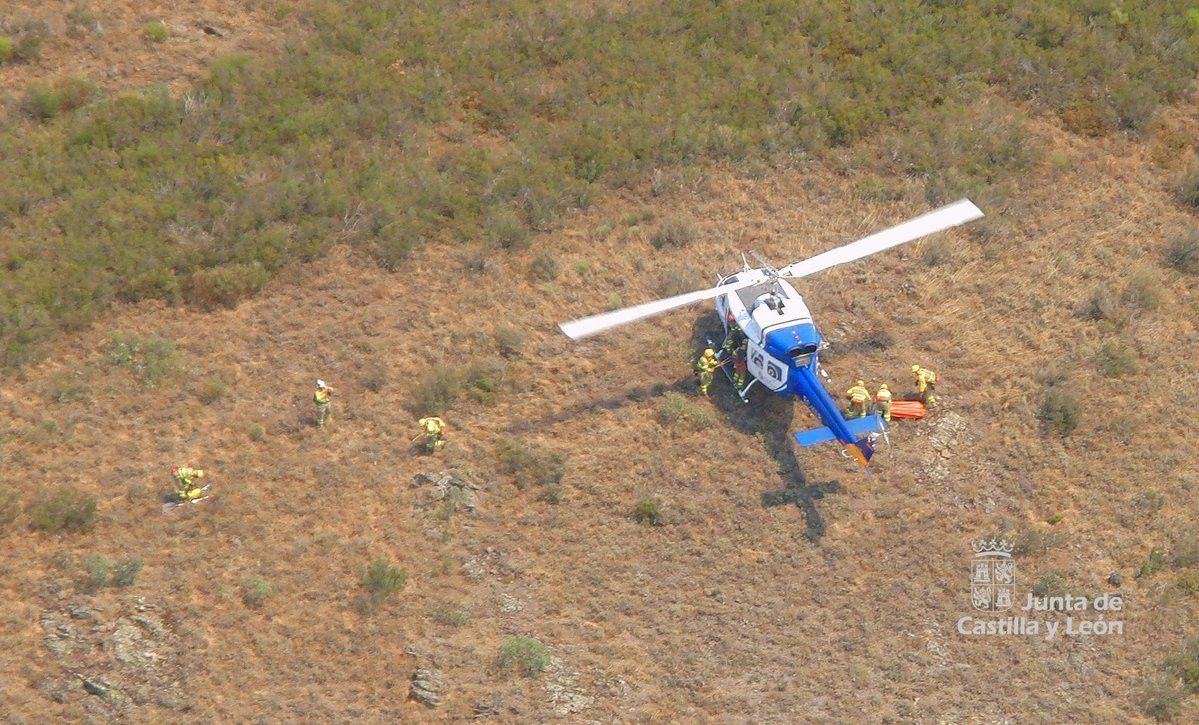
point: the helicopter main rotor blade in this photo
(587, 326)
(948, 216)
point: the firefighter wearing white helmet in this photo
(323, 403)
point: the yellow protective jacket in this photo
(707, 365)
(858, 394)
(321, 396)
(882, 396)
(432, 425)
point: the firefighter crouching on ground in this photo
(434, 429)
(858, 396)
(186, 482)
(926, 382)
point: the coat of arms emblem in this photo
(992, 575)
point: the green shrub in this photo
(66, 387)
(1115, 360)
(583, 267)
(255, 591)
(10, 506)
(673, 234)
(126, 571)
(437, 392)
(1161, 698)
(484, 380)
(1187, 190)
(1153, 563)
(256, 432)
(1050, 585)
(74, 92)
(152, 359)
(5, 48)
(678, 410)
(382, 579)
(29, 45)
(63, 509)
(524, 655)
(544, 268)
(1061, 411)
(1183, 252)
(507, 231)
(81, 18)
(1035, 541)
(451, 617)
(1185, 552)
(510, 340)
(648, 511)
(1105, 306)
(156, 31)
(1188, 582)
(1143, 290)
(1149, 501)
(226, 285)
(95, 574)
(530, 467)
(679, 280)
(42, 101)
(936, 251)
(210, 391)
(1185, 666)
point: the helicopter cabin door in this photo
(769, 370)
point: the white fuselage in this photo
(770, 306)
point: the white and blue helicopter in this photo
(781, 341)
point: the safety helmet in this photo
(174, 469)
(861, 383)
(709, 352)
(199, 474)
(915, 368)
(320, 383)
(882, 387)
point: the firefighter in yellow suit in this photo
(705, 367)
(186, 482)
(434, 429)
(926, 382)
(882, 402)
(858, 396)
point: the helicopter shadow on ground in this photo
(771, 417)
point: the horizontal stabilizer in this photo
(858, 426)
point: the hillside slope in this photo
(782, 584)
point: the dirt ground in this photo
(783, 584)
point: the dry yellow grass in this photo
(784, 585)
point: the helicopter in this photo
(765, 316)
